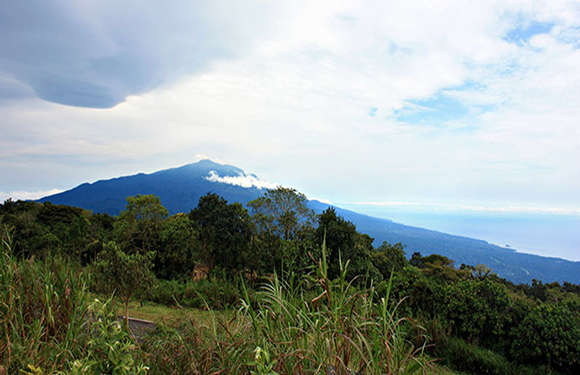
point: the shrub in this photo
(550, 334)
(208, 293)
(461, 356)
(109, 348)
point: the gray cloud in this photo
(11, 89)
(95, 54)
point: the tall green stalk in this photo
(43, 307)
(341, 330)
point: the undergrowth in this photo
(287, 329)
(291, 325)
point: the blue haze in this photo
(540, 234)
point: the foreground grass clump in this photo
(48, 325)
(310, 326)
(341, 330)
(42, 311)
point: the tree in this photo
(282, 211)
(77, 236)
(144, 207)
(225, 231)
(343, 242)
(437, 265)
(139, 225)
(180, 247)
(389, 258)
(340, 234)
(123, 274)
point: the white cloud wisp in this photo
(243, 180)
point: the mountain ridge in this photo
(181, 187)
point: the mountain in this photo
(180, 189)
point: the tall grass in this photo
(341, 330)
(42, 311)
(291, 326)
(47, 324)
(306, 325)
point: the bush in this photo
(550, 334)
(461, 356)
(109, 348)
(214, 294)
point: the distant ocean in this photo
(541, 234)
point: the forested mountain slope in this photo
(180, 189)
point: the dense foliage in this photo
(311, 293)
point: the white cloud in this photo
(243, 180)
(322, 200)
(26, 195)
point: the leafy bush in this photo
(477, 309)
(461, 356)
(550, 334)
(109, 348)
(208, 293)
(472, 359)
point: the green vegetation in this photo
(122, 274)
(279, 291)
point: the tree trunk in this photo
(127, 313)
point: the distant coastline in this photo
(546, 235)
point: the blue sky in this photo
(427, 104)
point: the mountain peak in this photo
(206, 163)
(179, 188)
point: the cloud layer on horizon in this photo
(26, 195)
